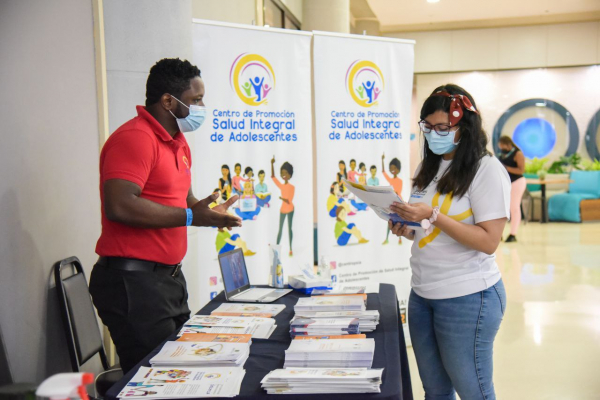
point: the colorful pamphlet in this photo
(182, 382)
(215, 337)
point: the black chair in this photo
(80, 324)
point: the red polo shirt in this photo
(141, 151)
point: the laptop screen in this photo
(235, 275)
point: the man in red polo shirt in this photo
(147, 203)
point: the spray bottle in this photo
(66, 386)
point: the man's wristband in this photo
(190, 216)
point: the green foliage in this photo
(589, 165)
(565, 164)
(535, 165)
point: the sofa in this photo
(581, 202)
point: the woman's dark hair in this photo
(396, 163)
(169, 75)
(362, 164)
(470, 150)
(225, 166)
(337, 213)
(288, 167)
(332, 186)
(248, 169)
(507, 140)
(344, 164)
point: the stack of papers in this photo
(173, 382)
(252, 310)
(339, 290)
(324, 337)
(259, 328)
(368, 319)
(215, 337)
(324, 326)
(322, 380)
(330, 303)
(333, 353)
(202, 354)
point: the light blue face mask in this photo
(194, 120)
(441, 144)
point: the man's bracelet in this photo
(190, 216)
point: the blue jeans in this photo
(453, 340)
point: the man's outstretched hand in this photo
(217, 216)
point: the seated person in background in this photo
(262, 192)
(352, 173)
(248, 203)
(226, 242)
(335, 200)
(373, 180)
(362, 175)
(343, 232)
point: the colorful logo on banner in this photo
(364, 82)
(252, 78)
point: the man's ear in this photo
(168, 102)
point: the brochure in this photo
(380, 198)
(175, 382)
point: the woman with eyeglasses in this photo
(461, 197)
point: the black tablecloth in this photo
(269, 354)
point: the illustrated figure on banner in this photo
(344, 231)
(248, 209)
(262, 191)
(336, 200)
(225, 184)
(258, 85)
(287, 198)
(238, 179)
(394, 182)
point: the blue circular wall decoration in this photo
(535, 136)
(539, 141)
(591, 136)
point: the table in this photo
(268, 354)
(543, 183)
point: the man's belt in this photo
(132, 264)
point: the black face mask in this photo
(504, 151)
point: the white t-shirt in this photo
(442, 268)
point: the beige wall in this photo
(235, 11)
(536, 46)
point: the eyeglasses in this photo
(440, 129)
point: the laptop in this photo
(237, 284)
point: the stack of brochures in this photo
(333, 353)
(215, 337)
(259, 328)
(202, 354)
(331, 303)
(322, 380)
(248, 310)
(342, 289)
(368, 319)
(182, 382)
(324, 326)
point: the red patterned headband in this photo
(457, 105)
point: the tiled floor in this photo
(548, 346)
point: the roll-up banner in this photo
(363, 91)
(256, 142)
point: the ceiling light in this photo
(433, 1)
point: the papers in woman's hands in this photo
(380, 198)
